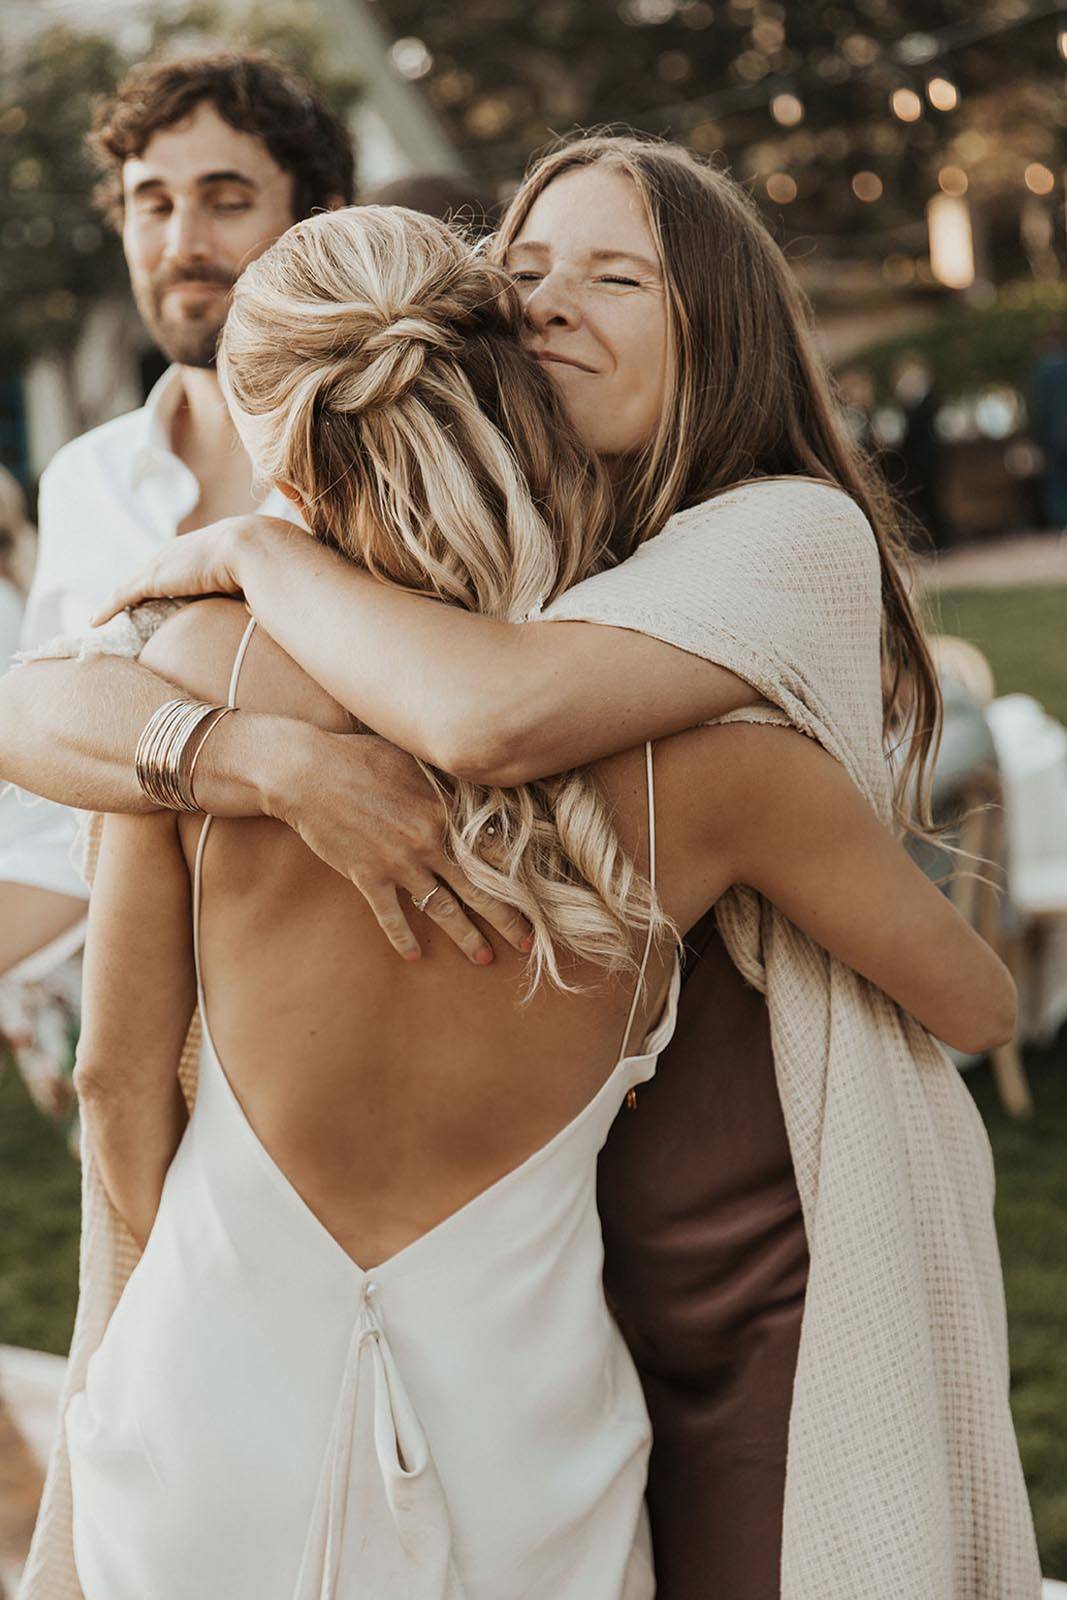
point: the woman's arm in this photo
(487, 700)
(139, 994)
(795, 827)
(68, 731)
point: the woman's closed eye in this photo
(607, 277)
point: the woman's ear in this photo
(294, 495)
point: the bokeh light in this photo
(952, 180)
(867, 186)
(781, 188)
(787, 109)
(942, 94)
(1038, 178)
(906, 105)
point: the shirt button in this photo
(370, 1288)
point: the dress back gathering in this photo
(265, 1419)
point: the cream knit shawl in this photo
(903, 1478)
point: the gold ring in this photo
(420, 905)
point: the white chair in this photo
(1032, 756)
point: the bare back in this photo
(389, 1093)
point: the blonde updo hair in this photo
(373, 363)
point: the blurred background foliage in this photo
(57, 255)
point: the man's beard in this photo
(190, 340)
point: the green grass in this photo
(39, 1205)
(1024, 633)
(1032, 1227)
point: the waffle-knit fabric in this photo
(903, 1479)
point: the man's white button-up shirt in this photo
(108, 502)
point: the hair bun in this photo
(391, 360)
(413, 328)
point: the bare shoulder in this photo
(196, 649)
(725, 794)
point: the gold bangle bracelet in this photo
(160, 754)
(223, 711)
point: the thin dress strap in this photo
(205, 827)
(652, 880)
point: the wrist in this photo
(251, 765)
(286, 755)
(248, 539)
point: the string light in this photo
(787, 110)
(1038, 178)
(948, 218)
(781, 188)
(1062, 42)
(942, 95)
(411, 58)
(906, 105)
(867, 186)
(952, 180)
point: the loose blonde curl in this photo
(373, 361)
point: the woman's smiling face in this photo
(587, 269)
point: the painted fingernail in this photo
(484, 957)
(412, 955)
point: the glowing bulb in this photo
(942, 95)
(952, 180)
(787, 110)
(867, 186)
(781, 188)
(948, 218)
(906, 105)
(1038, 178)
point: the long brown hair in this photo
(749, 398)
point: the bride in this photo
(366, 1348)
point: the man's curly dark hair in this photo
(251, 90)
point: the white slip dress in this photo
(265, 1420)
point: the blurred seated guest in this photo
(920, 447)
(39, 999)
(1032, 753)
(40, 1010)
(1048, 423)
(452, 196)
(17, 539)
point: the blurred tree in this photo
(842, 115)
(57, 257)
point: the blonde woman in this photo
(644, 274)
(366, 1349)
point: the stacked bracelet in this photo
(160, 757)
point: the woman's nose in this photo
(550, 304)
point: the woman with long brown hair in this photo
(758, 571)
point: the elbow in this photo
(99, 1080)
(481, 747)
(992, 1024)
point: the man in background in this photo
(205, 160)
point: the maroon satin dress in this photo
(706, 1266)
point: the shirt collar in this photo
(154, 447)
